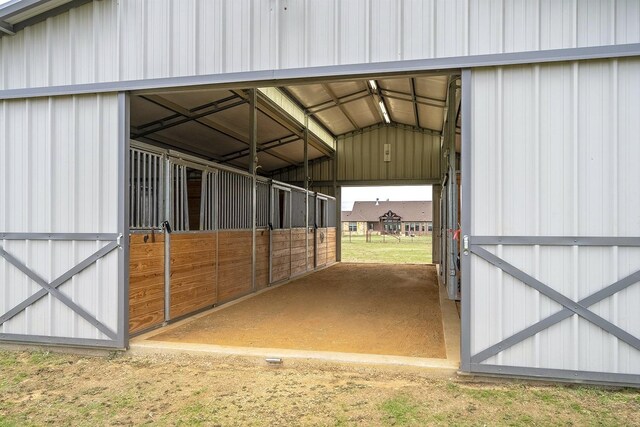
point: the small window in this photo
(322, 214)
(353, 226)
(281, 202)
(430, 226)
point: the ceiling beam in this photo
(341, 101)
(172, 144)
(340, 106)
(404, 96)
(205, 121)
(412, 83)
(262, 147)
(176, 120)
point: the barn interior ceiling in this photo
(214, 123)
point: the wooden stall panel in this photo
(193, 272)
(321, 247)
(331, 245)
(311, 257)
(146, 281)
(262, 258)
(280, 255)
(234, 264)
(298, 251)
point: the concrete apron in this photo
(145, 345)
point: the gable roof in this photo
(371, 212)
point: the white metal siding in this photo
(59, 169)
(554, 152)
(138, 39)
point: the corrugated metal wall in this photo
(415, 155)
(137, 39)
(59, 174)
(554, 152)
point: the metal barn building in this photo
(183, 153)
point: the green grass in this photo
(387, 249)
(401, 411)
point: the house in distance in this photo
(398, 217)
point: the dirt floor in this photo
(352, 308)
(51, 389)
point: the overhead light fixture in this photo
(384, 112)
(373, 85)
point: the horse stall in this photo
(192, 239)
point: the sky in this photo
(396, 193)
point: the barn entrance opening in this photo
(387, 224)
(236, 220)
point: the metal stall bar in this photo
(253, 166)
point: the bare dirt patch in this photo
(352, 308)
(44, 388)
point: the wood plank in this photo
(146, 281)
(193, 272)
(234, 264)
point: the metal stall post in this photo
(168, 197)
(253, 119)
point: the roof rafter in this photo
(340, 106)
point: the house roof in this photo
(372, 211)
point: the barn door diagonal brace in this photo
(52, 288)
(570, 307)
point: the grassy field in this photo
(42, 388)
(387, 249)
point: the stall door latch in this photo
(465, 244)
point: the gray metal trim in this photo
(555, 318)
(17, 7)
(109, 237)
(43, 16)
(465, 220)
(54, 340)
(6, 28)
(124, 171)
(323, 73)
(556, 240)
(58, 295)
(105, 250)
(632, 380)
(574, 306)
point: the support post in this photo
(124, 129)
(337, 195)
(452, 211)
(253, 163)
(339, 224)
(436, 224)
(306, 189)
